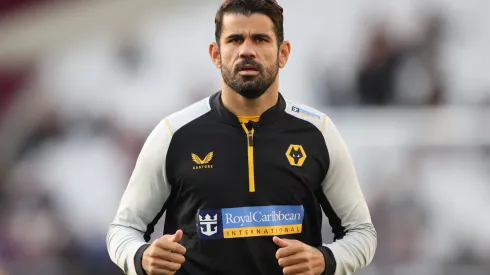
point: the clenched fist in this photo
(297, 258)
(164, 256)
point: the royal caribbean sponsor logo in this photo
(250, 221)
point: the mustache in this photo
(249, 62)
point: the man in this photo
(244, 174)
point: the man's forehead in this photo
(242, 24)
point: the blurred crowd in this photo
(407, 84)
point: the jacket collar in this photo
(269, 116)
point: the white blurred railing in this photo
(413, 127)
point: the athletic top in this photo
(231, 186)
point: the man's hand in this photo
(164, 256)
(296, 257)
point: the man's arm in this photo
(344, 204)
(142, 204)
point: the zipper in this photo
(250, 153)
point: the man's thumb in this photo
(280, 242)
(177, 236)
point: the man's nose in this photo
(247, 50)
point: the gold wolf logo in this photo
(296, 155)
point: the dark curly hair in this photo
(269, 8)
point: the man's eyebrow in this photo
(255, 35)
(235, 36)
(262, 35)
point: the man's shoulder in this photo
(180, 118)
(306, 113)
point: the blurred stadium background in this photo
(82, 83)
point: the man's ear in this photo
(284, 51)
(214, 54)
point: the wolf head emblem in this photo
(296, 155)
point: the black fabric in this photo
(138, 260)
(333, 219)
(151, 227)
(330, 263)
(223, 182)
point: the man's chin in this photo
(250, 94)
(247, 78)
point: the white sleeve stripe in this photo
(324, 123)
(168, 127)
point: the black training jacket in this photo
(231, 187)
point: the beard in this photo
(250, 86)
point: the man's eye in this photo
(260, 40)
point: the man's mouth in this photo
(249, 70)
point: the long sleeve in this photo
(344, 204)
(142, 203)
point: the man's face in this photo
(249, 54)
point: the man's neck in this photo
(241, 106)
